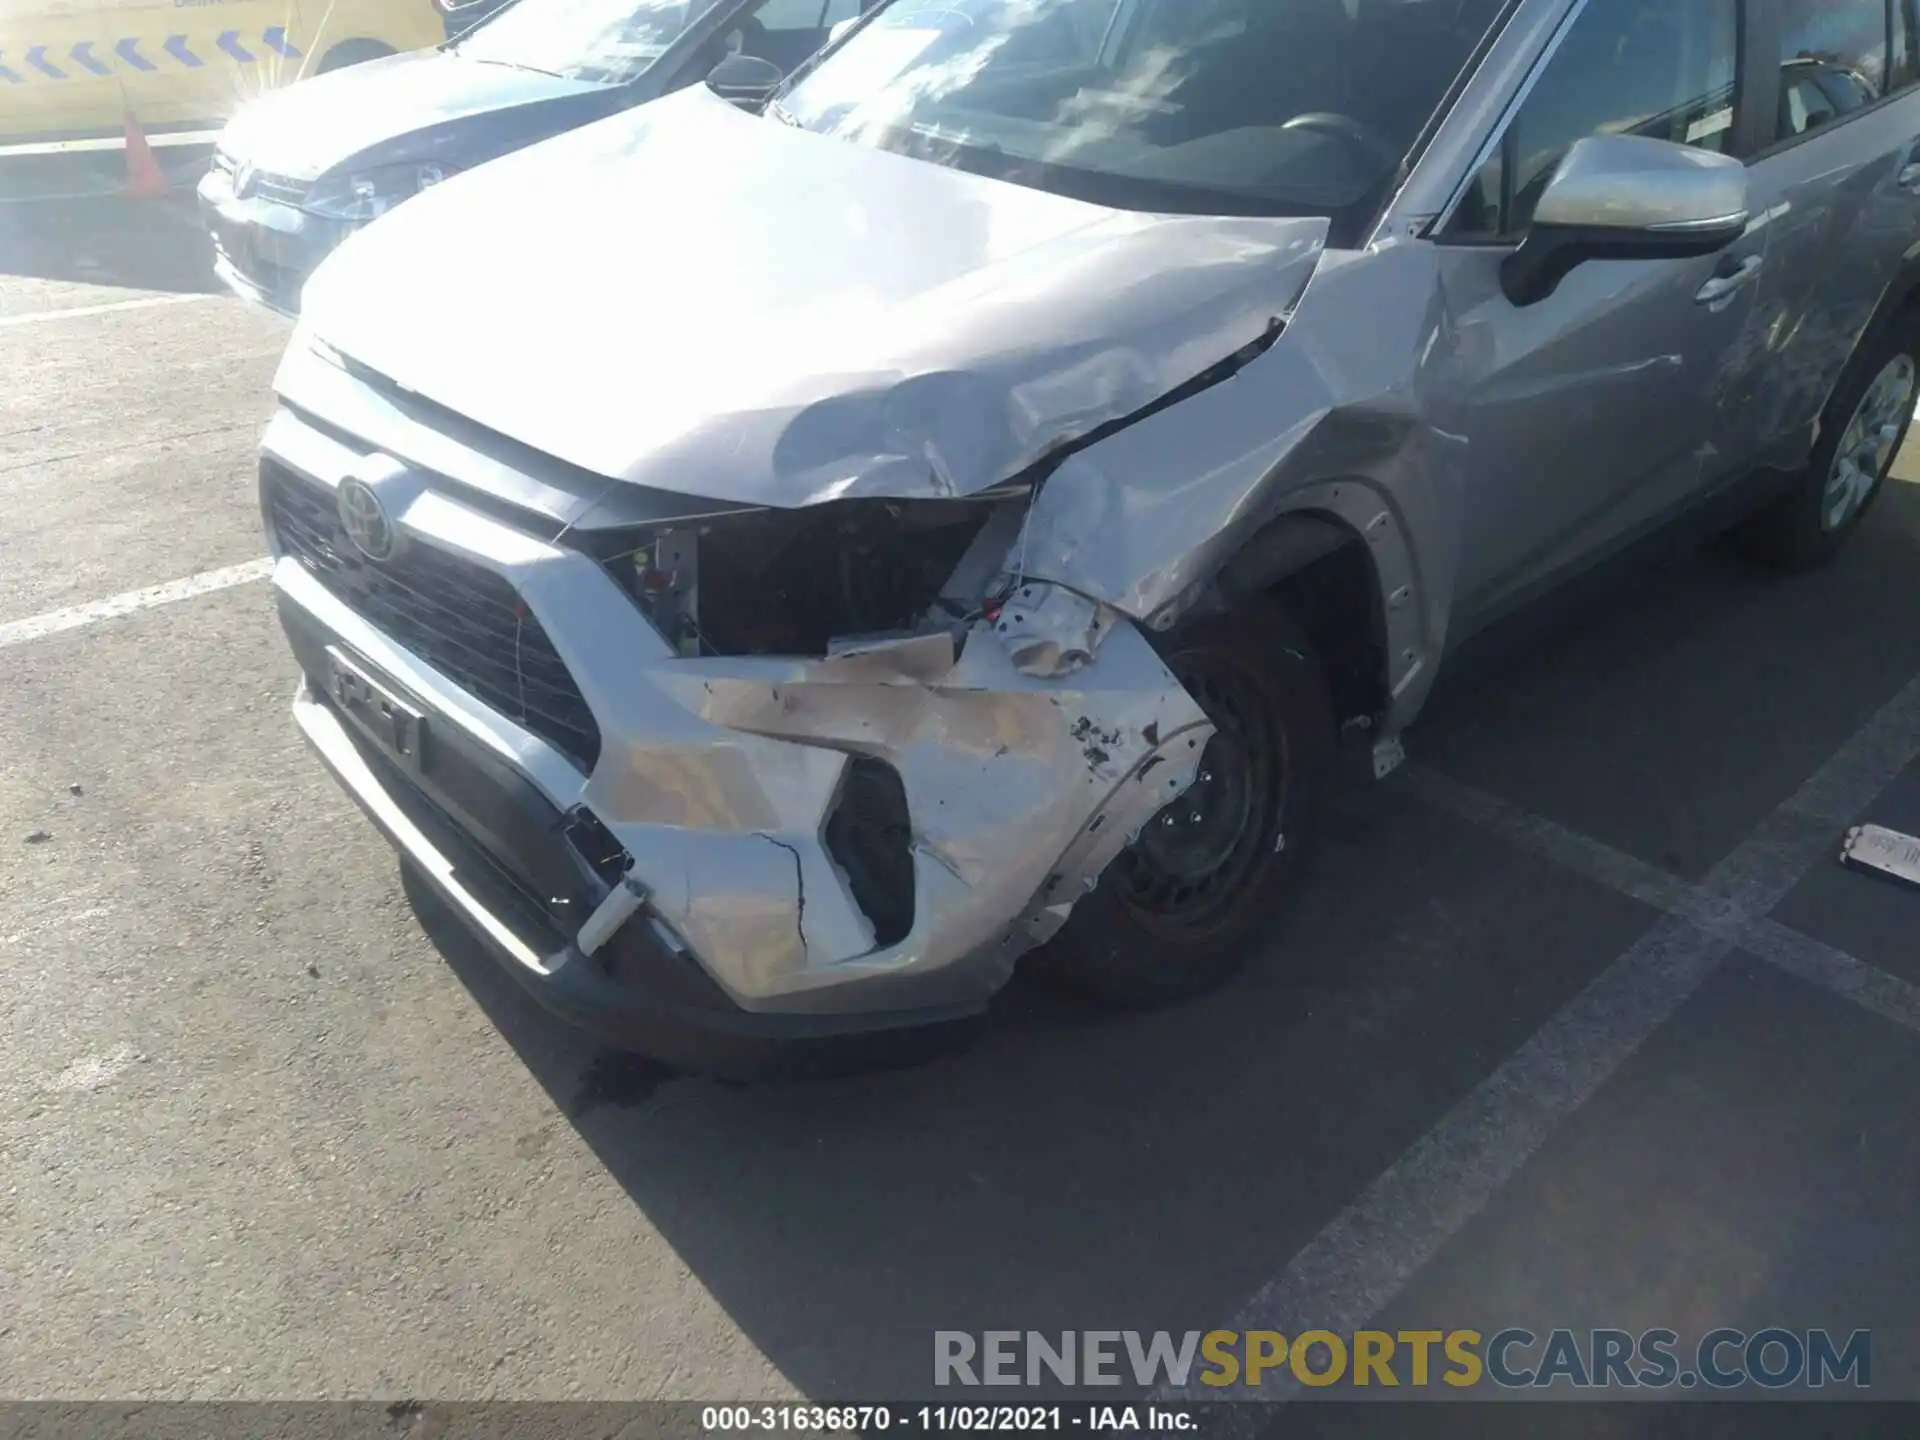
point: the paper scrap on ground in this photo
(1887, 852)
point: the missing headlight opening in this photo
(781, 582)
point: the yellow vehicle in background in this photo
(75, 67)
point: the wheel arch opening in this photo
(1322, 570)
(355, 50)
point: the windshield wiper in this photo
(511, 65)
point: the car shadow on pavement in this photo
(1150, 1171)
(151, 245)
(1072, 1169)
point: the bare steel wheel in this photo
(1865, 425)
(1185, 905)
(1195, 855)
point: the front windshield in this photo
(604, 40)
(1212, 106)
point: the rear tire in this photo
(1865, 424)
(351, 52)
(1184, 907)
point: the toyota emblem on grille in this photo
(365, 520)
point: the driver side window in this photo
(786, 32)
(1666, 69)
(791, 14)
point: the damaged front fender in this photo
(1336, 420)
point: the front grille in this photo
(598, 846)
(263, 183)
(462, 619)
(282, 188)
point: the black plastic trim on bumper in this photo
(245, 289)
(636, 993)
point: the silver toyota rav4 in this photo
(770, 562)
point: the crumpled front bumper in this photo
(719, 776)
(637, 991)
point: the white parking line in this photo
(160, 141)
(36, 627)
(1354, 1267)
(1811, 960)
(38, 317)
(1818, 963)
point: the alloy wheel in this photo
(1867, 444)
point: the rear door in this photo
(1837, 176)
(1596, 413)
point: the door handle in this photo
(1724, 287)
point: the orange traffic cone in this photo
(144, 180)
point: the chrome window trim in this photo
(1497, 137)
(1457, 144)
(1688, 227)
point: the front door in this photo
(1590, 416)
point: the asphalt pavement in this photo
(1581, 1025)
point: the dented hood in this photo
(702, 300)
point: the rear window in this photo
(1282, 107)
(1833, 60)
(601, 40)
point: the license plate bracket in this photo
(399, 728)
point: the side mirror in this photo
(745, 80)
(1625, 197)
